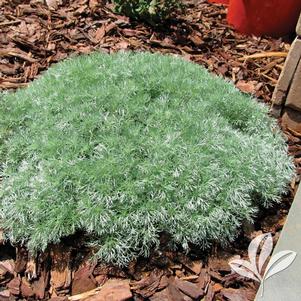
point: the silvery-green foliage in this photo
(127, 146)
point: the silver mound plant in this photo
(127, 146)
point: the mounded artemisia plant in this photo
(127, 146)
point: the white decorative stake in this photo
(253, 269)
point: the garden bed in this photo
(210, 42)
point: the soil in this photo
(32, 37)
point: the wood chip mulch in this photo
(32, 37)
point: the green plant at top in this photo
(152, 11)
(127, 146)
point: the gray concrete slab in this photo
(286, 285)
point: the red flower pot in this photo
(264, 17)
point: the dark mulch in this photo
(32, 37)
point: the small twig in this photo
(293, 132)
(84, 295)
(87, 36)
(17, 53)
(269, 66)
(10, 22)
(12, 79)
(263, 55)
(10, 85)
(273, 80)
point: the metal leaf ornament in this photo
(253, 269)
